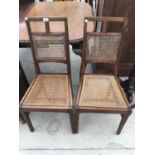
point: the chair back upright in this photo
(102, 47)
(48, 45)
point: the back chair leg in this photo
(27, 120)
(123, 121)
(72, 120)
(76, 121)
(21, 118)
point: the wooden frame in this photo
(106, 20)
(23, 86)
(69, 109)
(79, 109)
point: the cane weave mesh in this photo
(103, 48)
(101, 91)
(49, 47)
(49, 90)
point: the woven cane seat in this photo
(101, 91)
(49, 90)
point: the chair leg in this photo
(27, 120)
(72, 121)
(21, 118)
(123, 121)
(76, 121)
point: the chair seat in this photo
(49, 90)
(101, 91)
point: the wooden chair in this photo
(23, 86)
(102, 93)
(49, 92)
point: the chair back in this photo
(102, 47)
(47, 45)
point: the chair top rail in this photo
(37, 19)
(106, 18)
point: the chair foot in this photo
(72, 121)
(21, 118)
(76, 121)
(123, 121)
(27, 120)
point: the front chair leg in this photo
(21, 118)
(76, 121)
(72, 120)
(27, 120)
(123, 121)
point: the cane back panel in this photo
(48, 45)
(102, 47)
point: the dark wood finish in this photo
(123, 121)
(72, 120)
(129, 85)
(124, 111)
(27, 120)
(117, 20)
(74, 11)
(23, 83)
(100, 7)
(23, 86)
(90, 2)
(47, 33)
(77, 121)
(120, 8)
(26, 1)
(24, 8)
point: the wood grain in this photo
(74, 11)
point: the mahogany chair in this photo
(48, 92)
(23, 86)
(102, 93)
